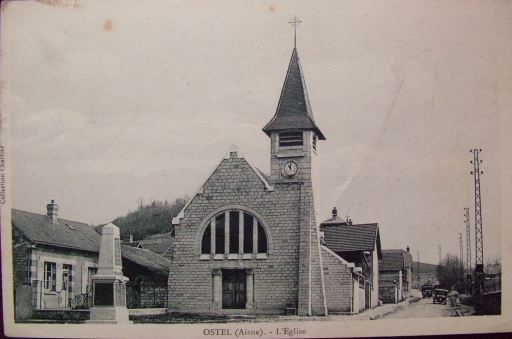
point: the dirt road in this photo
(424, 308)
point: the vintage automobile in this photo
(440, 295)
(426, 291)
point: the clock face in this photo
(290, 168)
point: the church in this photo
(248, 243)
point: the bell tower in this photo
(294, 138)
(293, 132)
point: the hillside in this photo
(153, 218)
(424, 267)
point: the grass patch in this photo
(186, 318)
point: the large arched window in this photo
(234, 232)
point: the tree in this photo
(451, 273)
(148, 219)
(493, 265)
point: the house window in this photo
(67, 278)
(243, 232)
(293, 138)
(50, 276)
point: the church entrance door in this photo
(233, 289)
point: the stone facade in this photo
(72, 294)
(236, 186)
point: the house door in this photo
(233, 289)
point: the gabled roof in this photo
(293, 110)
(408, 260)
(395, 260)
(40, 229)
(160, 244)
(150, 260)
(262, 176)
(352, 238)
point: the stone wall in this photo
(20, 259)
(338, 283)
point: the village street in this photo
(413, 307)
(424, 308)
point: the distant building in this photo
(424, 273)
(358, 244)
(395, 275)
(54, 260)
(161, 244)
(148, 273)
(55, 257)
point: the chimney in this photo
(334, 213)
(408, 249)
(52, 211)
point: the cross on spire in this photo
(295, 22)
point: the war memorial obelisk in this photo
(109, 284)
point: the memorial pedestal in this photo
(109, 300)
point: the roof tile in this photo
(348, 238)
(40, 229)
(293, 110)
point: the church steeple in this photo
(293, 111)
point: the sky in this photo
(112, 103)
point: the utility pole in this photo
(479, 251)
(468, 249)
(479, 248)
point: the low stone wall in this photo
(338, 283)
(68, 315)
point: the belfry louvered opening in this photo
(290, 138)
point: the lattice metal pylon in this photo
(479, 248)
(461, 260)
(468, 241)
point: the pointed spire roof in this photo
(293, 110)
